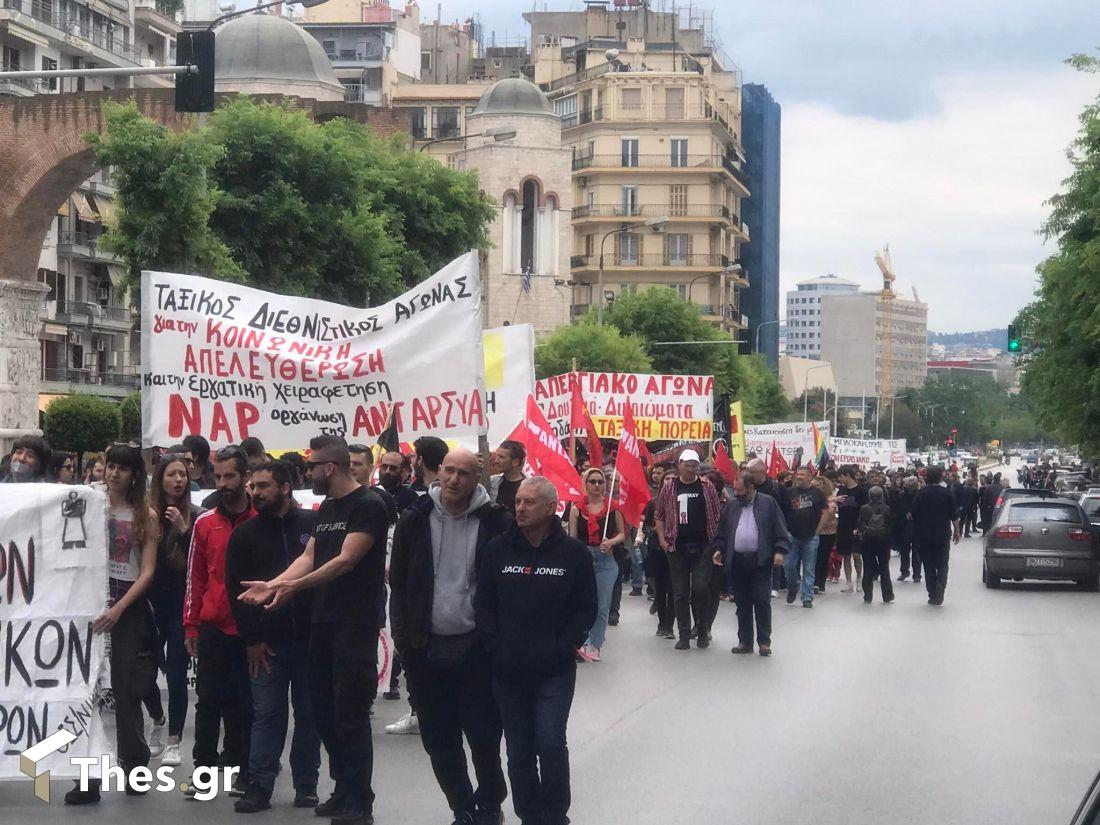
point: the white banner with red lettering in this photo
(228, 361)
(788, 437)
(666, 407)
(868, 452)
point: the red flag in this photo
(633, 490)
(647, 456)
(777, 463)
(723, 464)
(545, 453)
(580, 419)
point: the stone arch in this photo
(538, 182)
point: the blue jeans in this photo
(607, 573)
(637, 566)
(804, 551)
(535, 713)
(270, 716)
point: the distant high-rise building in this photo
(760, 126)
(803, 328)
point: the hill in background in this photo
(984, 338)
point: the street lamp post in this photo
(497, 133)
(656, 224)
(806, 392)
(760, 327)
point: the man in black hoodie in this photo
(438, 549)
(276, 641)
(536, 600)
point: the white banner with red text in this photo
(228, 361)
(866, 453)
(788, 438)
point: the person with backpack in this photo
(874, 533)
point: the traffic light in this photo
(1013, 338)
(195, 92)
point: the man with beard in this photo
(430, 452)
(276, 642)
(210, 631)
(391, 471)
(344, 562)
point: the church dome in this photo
(514, 96)
(263, 54)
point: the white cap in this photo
(689, 455)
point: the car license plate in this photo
(1043, 561)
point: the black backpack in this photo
(877, 524)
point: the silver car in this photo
(1042, 538)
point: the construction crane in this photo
(887, 295)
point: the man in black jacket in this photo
(438, 549)
(935, 525)
(276, 641)
(536, 600)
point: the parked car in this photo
(1090, 503)
(1042, 538)
(1009, 493)
(1088, 812)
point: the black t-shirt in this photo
(847, 513)
(359, 596)
(506, 493)
(692, 510)
(803, 511)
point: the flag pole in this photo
(611, 495)
(572, 432)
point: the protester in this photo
(438, 553)
(969, 511)
(850, 499)
(430, 452)
(221, 675)
(298, 468)
(362, 468)
(907, 544)
(62, 468)
(935, 526)
(30, 457)
(686, 517)
(598, 524)
(171, 501)
(391, 470)
(345, 563)
(768, 486)
(94, 469)
(531, 624)
(132, 545)
(875, 529)
(276, 642)
(988, 496)
(509, 459)
(750, 539)
(254, 449)
(656, 560)
(806, 511)
(826, 533)
(202, 473)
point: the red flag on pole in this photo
(777, 463)
(647, 456)
(723, 464)
(545, 453)
(580, 419)
(633, 490)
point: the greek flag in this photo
(527, 281)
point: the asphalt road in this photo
(981, 711)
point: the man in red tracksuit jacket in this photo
(210, 633)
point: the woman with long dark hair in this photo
(132, 557)
(170, 498)
(595, 521)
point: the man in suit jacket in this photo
(751, 538)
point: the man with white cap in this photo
(686, 517)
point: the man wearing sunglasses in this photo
(344, 565)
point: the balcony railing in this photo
(95, 311)
(35, 85)
(105, 379)
(44, 11)
(654, 210)
(652, 260)
(362, 93)
(89, 240)
(667, 161)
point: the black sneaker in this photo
(79, 797)
(807, 603)
(903, 577)
(660, 631)
(887, 599)
(637, 591)
(613, 621)
(305, 796)
(791, 596)
(333, 805)
(703, 642)
(489, 817)
(240, 786)
(916, 579)
(255, 799)
(464, 818)
(353, 812)
(683, 644)
(818, 590)
(670, 633)
(867, 599)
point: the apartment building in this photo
(87, 339)
(372, 46)
(803, 327)
(651, 107)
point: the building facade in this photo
(803, 326)
(854, 330)
(761, 121)
(650, 109)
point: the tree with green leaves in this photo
(130, 410)
(266, 196)
(81, 423)
(1061, 328)
(596, 349)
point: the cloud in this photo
(957, 192)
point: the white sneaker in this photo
(171, 755)
(775, 594)
(407, 724)
(156, 738)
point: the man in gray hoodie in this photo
(437, 550)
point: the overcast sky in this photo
(939, 127)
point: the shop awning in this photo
(107, 212)
(63, 210)
(117, 275)
(84, 211)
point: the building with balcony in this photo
(761, 121)
(803, 326)
(372, 46)
(651, 108)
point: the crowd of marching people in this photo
(493, 594)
